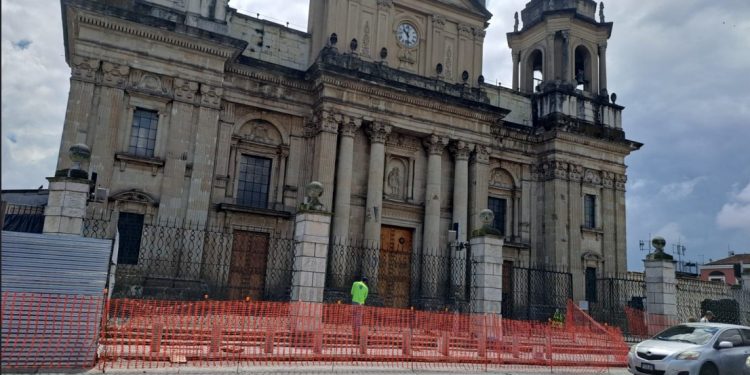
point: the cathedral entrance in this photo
(247, 270)
(394, 273)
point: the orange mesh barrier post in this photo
(268, 348)
(406, 343)
(156, 331)
(482, 343)
(216, 338)
(548, 340)
(364, 331)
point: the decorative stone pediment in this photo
(134, 196)
(501, 179)
(591, 176)
(260, 131)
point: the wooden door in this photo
(247, 270)
(394, 272)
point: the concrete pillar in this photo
(603, 69)
(311, 230)
(378, 132)
(431, 237)
(661, 298)
(66, 205)
(487, 263)
(343, 199)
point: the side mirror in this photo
(725, 345)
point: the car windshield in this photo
(694, 335)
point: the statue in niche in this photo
(394, 182)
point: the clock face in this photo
(407, 35)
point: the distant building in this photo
(729, 270)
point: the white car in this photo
(694, 349)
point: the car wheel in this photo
(709, 369)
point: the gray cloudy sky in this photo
(680, 67)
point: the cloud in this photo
(672, 233)
(680, 190)
(22, 44)
(736, 214)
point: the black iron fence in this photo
(23, 218)
(620, 302)
(536, 292)
(729, 304)
(400, 276)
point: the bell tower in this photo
(562, 44)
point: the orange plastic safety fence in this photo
(42, 330)
(141, 333)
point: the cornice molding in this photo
(145, 32)
(398, 97)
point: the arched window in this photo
(582, 71)
(717, 276)
(535, 69)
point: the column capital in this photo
(620, 181)
(349, 126)
(327, 121)
(435, 144)
(378, 131)
(575, 172)
(608, 179)
(482, 154)
(84, 69)
(603, 46)
(461, 150)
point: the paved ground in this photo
(422, 369)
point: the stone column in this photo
(339, 258)
(378, 132)
(516, 60)
(325, 152)
(461, 151)
(431, 252)
(478, 185)
(603, 69)
(661, 298)
(487, 268)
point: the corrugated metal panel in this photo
(52, 299)
(61, 264)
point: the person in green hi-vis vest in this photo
(359, 296)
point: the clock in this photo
(407, 35)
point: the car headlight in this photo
(689, 355)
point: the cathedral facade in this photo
(193, 111)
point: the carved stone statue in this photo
(515, 25)
(394, 181)
(313, 191)
(601, 11)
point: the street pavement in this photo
(364, 369)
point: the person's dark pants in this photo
(357, 311)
